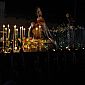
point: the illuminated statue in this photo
(39, 29)
(39, 12)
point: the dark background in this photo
(53, 10)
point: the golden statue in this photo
(38, 26)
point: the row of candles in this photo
(16, 31)
(6, 31)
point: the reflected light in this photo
(69, 49)
(83, 48)
(61, 46)
(76, 49)
(53, 49)
(61, 49)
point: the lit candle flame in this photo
(36, 28)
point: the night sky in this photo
(53, 10)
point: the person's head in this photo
(39, 12)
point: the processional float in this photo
(39, 37)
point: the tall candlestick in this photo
(20, 33)
(40, 30)
(8, 30)
(15, 36)
(29, 31)
(8, 35)
(24, 32)
(16, 31)
(36, 32)
(3, 37)
(22, 37)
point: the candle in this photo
(29, 31)
(20, 33)
(40, 30)
(22, 38)
(8, 34)
(24, 32)
(15, 35)
(17, 32)
(8, 31)
(36, 28)
(3, 36)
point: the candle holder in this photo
(3, 37)
(15, 34)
